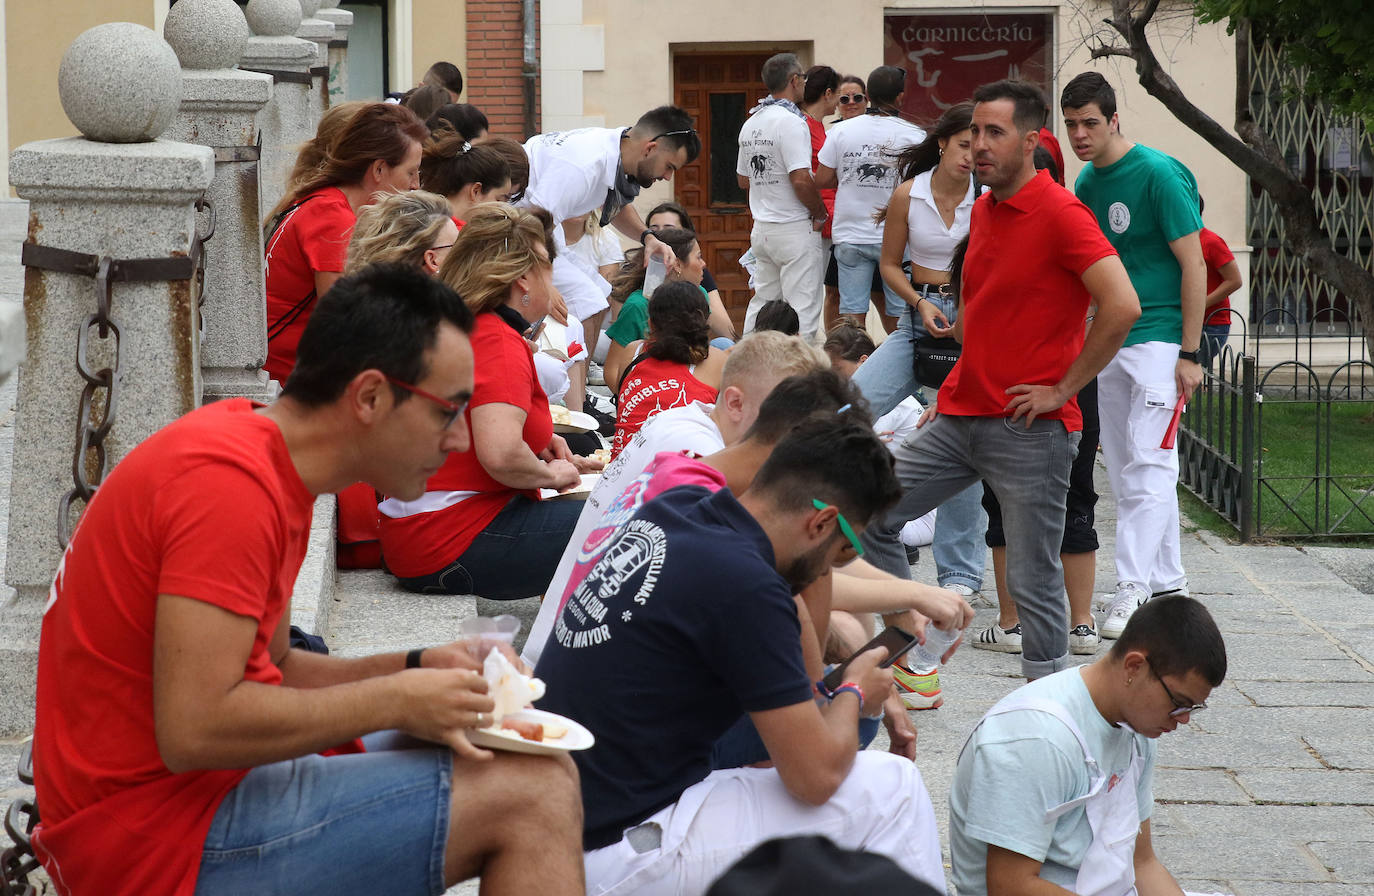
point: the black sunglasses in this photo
(846, 99)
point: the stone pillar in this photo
(321, 33)
(288, 120)
(131, 199)
(342, 20)
(219, 108)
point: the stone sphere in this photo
(120, 83)
(207, 34)
(274, 18)
(309, 8)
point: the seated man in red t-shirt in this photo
(183, 747)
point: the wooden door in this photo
(719, 89)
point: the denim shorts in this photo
(374, 822)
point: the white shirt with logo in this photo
(571, 171)
(772, 144)
(863, 151)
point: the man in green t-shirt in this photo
(1146, 203)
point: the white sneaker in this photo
(1002, 640)
(1180, 591)
(1128, 597)
(1083, 640)
(975, 598)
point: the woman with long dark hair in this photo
(926, 219)
(673, 367)
(377, 151)
(632, 322)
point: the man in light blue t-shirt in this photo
(1055, 782)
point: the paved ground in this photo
(1271, 791)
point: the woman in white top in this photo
(927, 217)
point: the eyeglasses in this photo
(801, 75)
(451, 408)
(1181, 707)
(845, 528)
(443, 246)
(846, 99)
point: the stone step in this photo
(373, 614)
(312, 598)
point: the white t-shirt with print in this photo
(863, 151)
(772, 144)
(571, 171)
(687, 428)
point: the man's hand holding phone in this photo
(873, 678)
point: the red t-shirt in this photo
(211, 508)
(313, 237)
(652, 386)
(423, 543)
(1217, 255)
(827, 196)
(1024, 300)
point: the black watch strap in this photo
(1187, 356)
(645, 235)
(413, 658)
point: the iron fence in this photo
(1283, 450)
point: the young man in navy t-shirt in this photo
(686, 621)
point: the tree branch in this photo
(1110, 50)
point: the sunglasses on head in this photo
(846, 99)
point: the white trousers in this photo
(789, 265)
(584, 292)
(1136, 393)
(882, 806)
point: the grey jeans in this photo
(1029, 471)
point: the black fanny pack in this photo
(932, 358)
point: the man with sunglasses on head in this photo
(184, 747)
(576, 172)
(775, 167)
(1053, 790)
(685, 620)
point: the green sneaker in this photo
(918, 690)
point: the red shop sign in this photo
(947, 55)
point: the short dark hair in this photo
(779, 69)
(855, 79)
(1089, 87)
(465, 118)
(819, 79)
(834, 460)
(820, 392)
(672, 125)
(884, 84)
(1178, 635)
(384, 317)
(445, 75)
(777, 315)
(1044, 159)
(1032, 110)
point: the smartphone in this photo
(897, 641)
(536, 328)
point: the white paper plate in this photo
(577, 738)
(580, 423)
(581, 490)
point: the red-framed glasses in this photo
(452, 409)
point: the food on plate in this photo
(561, 415)
(512, 691)
(603, 455)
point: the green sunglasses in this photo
(845, 528)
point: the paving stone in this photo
(1304, 693)
(1276, 888)
(1299, 786)
(1344, 747)
(1177, 785)
(1351, 862)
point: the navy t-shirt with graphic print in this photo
(682, 625)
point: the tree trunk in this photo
(1255, 153)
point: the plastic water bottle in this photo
(938, 642)
(654, 275)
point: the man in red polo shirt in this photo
(1037, 261)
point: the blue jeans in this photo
(514, 556)
(856, 263)
(1029, 470)
(1214, 338)
(885, 379)
(374, 822)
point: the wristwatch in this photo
(1188, 356)
(645, 235)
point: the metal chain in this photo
(198, 248)
(100, 393)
